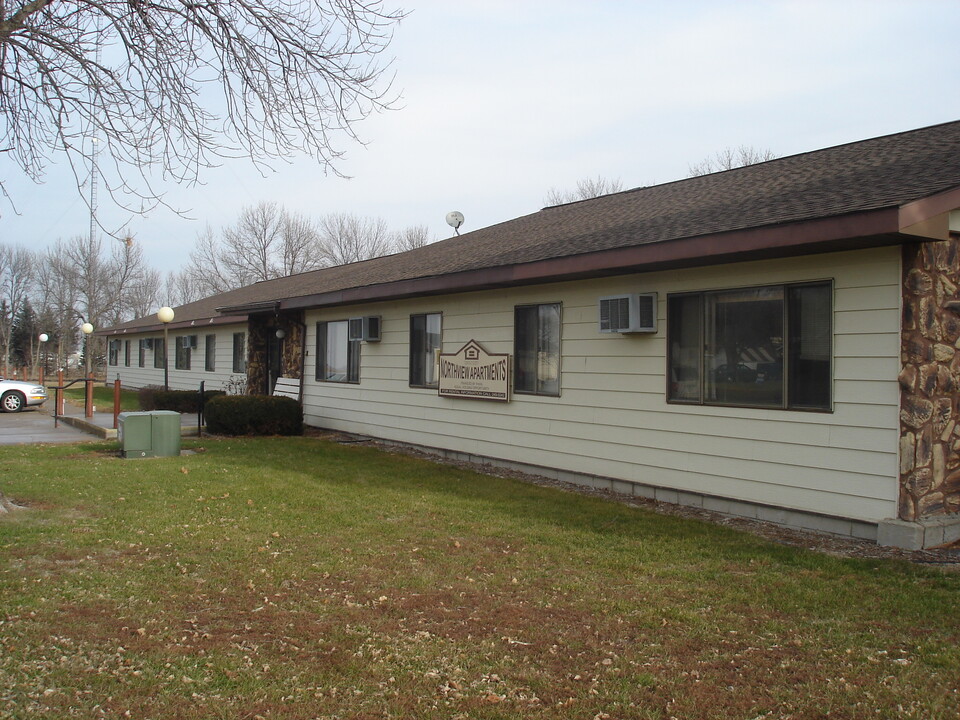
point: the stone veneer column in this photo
(256, 355)
(292, 323)
(930, 381)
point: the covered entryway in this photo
(276, 349)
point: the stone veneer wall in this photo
(292, 350)
(292, 324)
(257, 354)
(930, 381)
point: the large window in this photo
(113, 352)
(424, 349)
(239, 352)
(764, 347)
(182, 359)
(210, 353)
(536, 349)
(338, 357)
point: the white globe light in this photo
(165, 314)
(44, 337)
(86, 328)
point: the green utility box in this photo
(149, 434)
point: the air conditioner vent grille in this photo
(634, 313)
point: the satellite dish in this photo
(455, 220)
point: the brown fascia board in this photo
(253, 307)
(920, 211)
(872, 228)
(195, 324)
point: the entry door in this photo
(274, 360)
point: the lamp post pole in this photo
(87, 329)
(165, 315)
(41, 339)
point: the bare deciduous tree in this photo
(249, 248)
(266, 242)
(347, 238)
(16, 271)
(586, 189)
(144, 294)
(413, 237)
(207, 273)
(730, 158)
(181, 288)
(56, 297)
(292, 76)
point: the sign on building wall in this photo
(472, 372)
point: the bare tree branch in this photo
(586, 189)
(346, 238)
(294, 76)
(730, 158)
(413, 237)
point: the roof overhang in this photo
(875, 228)
(215, 321)
(264, 306)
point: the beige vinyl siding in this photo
(135, 377)
(612, 418)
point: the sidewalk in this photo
(101, 424)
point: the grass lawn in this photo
(102, 397)
(298, 578)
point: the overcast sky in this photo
(503, 100)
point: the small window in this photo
(338, 357)
(142, 353)
(113, 352)
(159, 350)
(756, 347)
(239, 352)
(182, 361)
(536, 359)
(126, 353)
(425, 347)
(210, 353)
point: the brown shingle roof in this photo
(880, 174)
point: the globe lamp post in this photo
(42, 338)
(165, 315)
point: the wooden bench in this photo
(287, 387)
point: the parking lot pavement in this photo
(33, 426)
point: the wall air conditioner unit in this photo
(371, 328)
(365, 328)
(634, 313)
(190, 342)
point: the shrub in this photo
(254, 415)
(153, 397)
(146, 396)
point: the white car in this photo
(16, 395)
